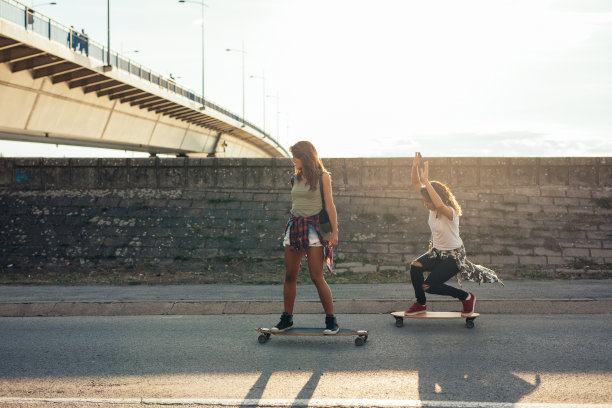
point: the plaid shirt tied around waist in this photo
(298, 237)
(467, 270)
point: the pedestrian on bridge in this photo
(446, 256)
(309, 233)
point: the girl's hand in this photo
(425, 172)
(418, 159)
(333, 239)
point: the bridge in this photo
(58, 86)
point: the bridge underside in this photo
(50, 93)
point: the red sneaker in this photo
(468, 305)
(416, 308)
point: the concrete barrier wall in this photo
(548, 215)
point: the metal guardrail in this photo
(31, 20)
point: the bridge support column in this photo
(214, 149)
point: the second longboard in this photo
(469, 319)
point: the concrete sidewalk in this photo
(516, 297)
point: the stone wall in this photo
(212, 215)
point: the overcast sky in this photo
(386, 77)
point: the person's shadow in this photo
(256, 392)
(468, 385)
(446, 371)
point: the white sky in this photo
(383, 78)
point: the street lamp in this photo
(263, 80)
(203, 80)
(30, 10)
(277, 115)
(108, 65)
(243, 52)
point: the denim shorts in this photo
(313, 237)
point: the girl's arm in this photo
(433, 194)
(416, 181)
(331, 209)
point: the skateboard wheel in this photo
(469, 323)
(359, 341)
(399, 322)
(263, 338)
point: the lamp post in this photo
(108, 65)
(203, 76)
(277, 115)
(30, 11)
(51, 3)
(263, 81)
(243, 52)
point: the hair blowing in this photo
(445, 194)
(312, 166)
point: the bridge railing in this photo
(31, 20)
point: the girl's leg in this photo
(315, 266)
(292, 265)
(435, 282)
(417, 268)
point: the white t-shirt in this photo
(444, 231)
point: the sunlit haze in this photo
(383, 78)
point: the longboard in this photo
(469, 320)
(362, 335)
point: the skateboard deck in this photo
(362, 335)
(469, 319)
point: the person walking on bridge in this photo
(446, 256)
(306, 233)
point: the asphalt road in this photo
(216, 360)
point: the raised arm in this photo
(433, 194)
(416, 163)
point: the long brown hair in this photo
(312, 166)
(445, 194)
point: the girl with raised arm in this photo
(446, 256)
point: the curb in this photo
(341, 306)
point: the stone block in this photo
(605, 175)
(115, 177)
(493, 176)
(262, 177)
(27, 178)
(601, 253)
(112, 162)
(583, 176)
(401, 177)
(171, 177)
(56, 177)
(352, 173)
(464, 176)
(557, 175)
(532, 260)
(200, 177)
(522, 176)
(230, 176)
(372, 176)
(172, 162)
(504, 260)
(144, 162)
(576, 252)
(83, 177)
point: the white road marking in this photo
(235, 402)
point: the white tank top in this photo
(445, 232)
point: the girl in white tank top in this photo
(446, 256)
